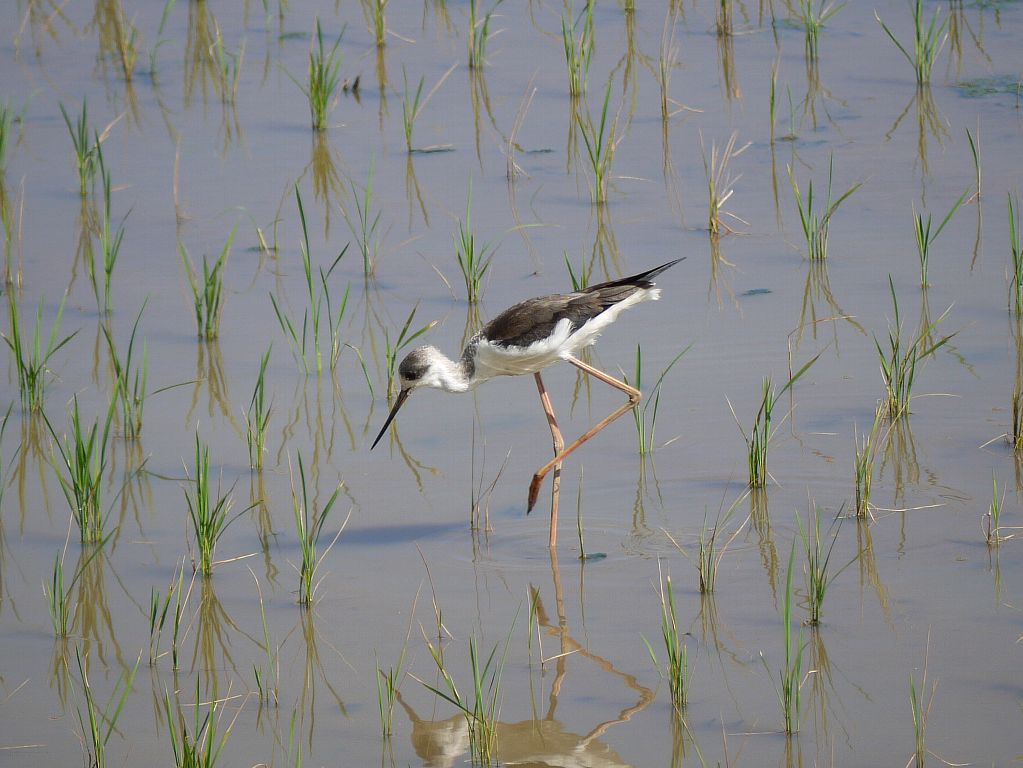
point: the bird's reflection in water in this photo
(541, 741)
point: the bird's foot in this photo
(534, 492)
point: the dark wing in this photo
(534, 319)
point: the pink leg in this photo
(634, 397)
(559, 445)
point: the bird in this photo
(526, 338)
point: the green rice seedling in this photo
(866, 451)
(132, 377)
(772, 98)
(1016, 252)
(900, 360)
(667, 61)
(99, 723)
(366, 224)
(992, 518)
(201, 747)
(83, 463)
(720, 182)
(645, 414)
(267, 680)
(413, 103)
(32, 359)
(479, 35)
(181, 597)
(790, 676)
(582, 280)
(58, 596)
(578, 37)
(481, 714)
(304, 337)
(294, 752)
(158, 607)
(6, 133)
(374, 11)
(817, 223)
(323, 79)
(208, 288)
(309, 525)
(818, 558)
(920, 703)
(1016, 439)
(925, 239)
(109, 241)
(391, 351)
(257, 417)
(387, 691)
(759, 439)
(928, 40)
(813, 20)
(601, 139)
(975, 152)
(473, 258)
(86, 152)
(17, 449)
(710, 549)
(209, 511)
(709, 553)
(676, 669)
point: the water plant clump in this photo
(816, 224)
(474, 258)
(208, 288)
(900, 360)
(132, 378)
(257, 417)
(601, 139)
(818, 559)
(577, 36)
(81, 470)
(323, 78)
(309, 526)
(760, 435)
(928, 40)
(32, 359)
(925, 237)
(1016, 256)
(645, 414)
(479, 34)
(208, 510)
(98, 723)
(676, 666)
(721, 182)
(813, 19)
(482, 711)
(304, 336)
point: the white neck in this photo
(444, 373)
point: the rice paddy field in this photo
(224, 225)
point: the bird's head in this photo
(420, 368)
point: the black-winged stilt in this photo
(526, 338)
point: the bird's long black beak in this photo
(402, 397)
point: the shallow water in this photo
(915, 586)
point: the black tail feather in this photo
(642, 280)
